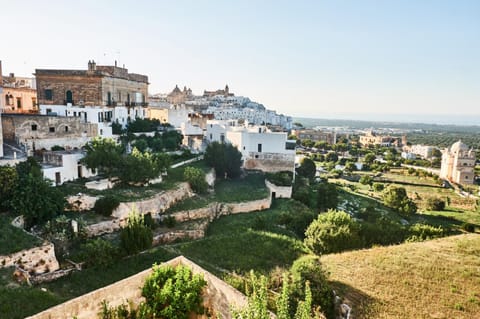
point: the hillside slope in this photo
(432, 279)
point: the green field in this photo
(13, 239)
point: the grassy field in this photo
(19, 301)
(246, 241)
(13, 239)
(432, 279)
(248, 188)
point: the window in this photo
(101, 131)
(19, 102)
(211, 136)
(259, 148)
(222, 138)
(48, 95)
(51, 129)
(34, 127)
(66, 128)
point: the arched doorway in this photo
(69, 97)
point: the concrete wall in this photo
(218, 296)
(37, 260)
(269, 162)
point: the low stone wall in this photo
(35, 260)
(156, 204)
(105, 227)
(217, 295)
(280, 191)
(172, 236)
(81, 202)
(100, 184)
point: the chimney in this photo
(92, 66)
(115, 63)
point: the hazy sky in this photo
(299, 57)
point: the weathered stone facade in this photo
(96, 86)
(35, 260)
(270, 162)
(40, 131)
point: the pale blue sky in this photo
(299, 57)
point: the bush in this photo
(106, 205)
(309, 269)
(135, 236)
(283, 178)
(435, 204)
(169, 221)
(366, 180)
(397, 199)
(378, 187)
(421, 232)
(196, 178)
(307, 168)
(468, 227)
(98, 252)
(173, 292)
(332, 232)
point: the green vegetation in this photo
(307, 168)
(196, 178)
(13, 239)
(8, 183)
(284, 178)
(225, 158)
(106, 205)
(136, 235)
(397, 199)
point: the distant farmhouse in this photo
(316, 135)
(372, 139)
(458, 164)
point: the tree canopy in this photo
(225, 158)
(396, 198)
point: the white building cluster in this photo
(458, 164)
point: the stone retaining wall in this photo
(35, 260)
(218, 295)
(280, 191)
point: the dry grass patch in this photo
(433, 279)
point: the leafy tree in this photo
(350, 167)
(196, 178)
(8, 183)
(34, 197)
(117, 128)
(327, 196)
(307, 168)
(331, 157)
(308, 143)
(103, 154)
(397, 199)
(141, 144)
(98, 253)
(136, 235)
(366, 180)
(369, 158)
(137, 167)
(172, 140)
(224, 158)
(332, 232)
(143, 125)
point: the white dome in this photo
(459, 146)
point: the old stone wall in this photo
(217, 295)
(280, 191)
(270, 162)
(156, 204)
(23, 128)
(81, 202)
(86, 88)
(35, 260)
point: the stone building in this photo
(17, 94)
(103, 88)
(35, 132)
(316, 136)
(1, 136)
(63, 166)
(178, 96)
(371, 138)
(99, 85)
(458, 164)
(225, 92)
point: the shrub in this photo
(397, 199)
(435, 204)
(58, 148)
(309, 269)
(421, 232)
(98, 252)
(135, 236)
(169, 221)
(173, 292)
(366, 180)
(378, 187)
(468, 227)
(332, 232)
(307, 168)
(106, 205)
(284, 178)
(196, 178)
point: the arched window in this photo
(69, 97)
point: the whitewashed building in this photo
(63, 166)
